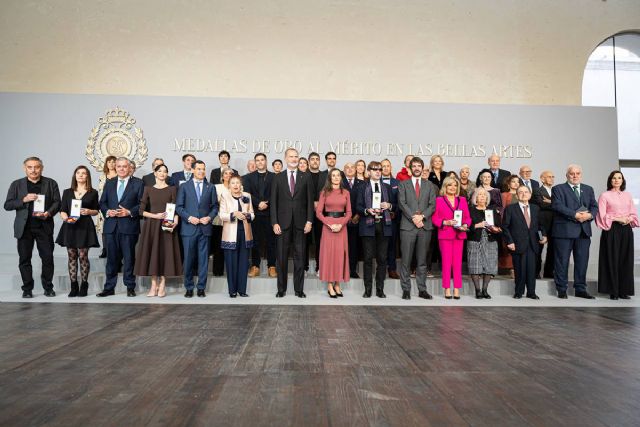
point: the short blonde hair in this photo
(435, 156)
(476, 193)
(448, 180)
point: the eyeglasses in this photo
(375, 169)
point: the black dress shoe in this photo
(131, 292)
(280, 294)
(27, 294)
(533, 296)
(425, 295)
(584, 295)
(354, 276)
(406, 295)
(106, 293)
(625, 297)
(188, 293)
(367, 293)
(103, 254)
(613, 297)
(201, 293)
(75, 290)
(448, 296)
(49, 293)
(562, 294)
(380, 294)
(301, 295)
(243, 294)
(456, 297)
(233, 295)
(516, 296)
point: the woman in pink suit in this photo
(334, 211)
(451, 236)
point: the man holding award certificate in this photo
(36, 200)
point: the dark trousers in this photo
(121, 250)
(562, 251)
(354, 244)
(549, 258)
(263, 237)
(317, 235)
(236, 262)
(375, 247)
(295, 237)
(215, 249)
(433, 249)
(392, 246)
(524, 267)
(196, 254)
(44, 243)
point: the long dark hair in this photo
(624, 181)
(506, 183)
(74, 182)
(328, 186)
(105, 168)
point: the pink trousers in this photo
(451, 253)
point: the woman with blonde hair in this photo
(482, 242)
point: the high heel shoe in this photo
(479, 294)
(153, 292)
(161, 289)
(447, 296)
(338, 293)
(456, 296)
(334, 295)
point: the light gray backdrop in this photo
(56, 127)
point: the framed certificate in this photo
(76, 205)
(457, 217)
(38, 204)
(488, 217)
(376, 200)
(170, 212)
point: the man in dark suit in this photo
(179, 178)
(575, 207)
(197, 206)
(523, 235)
(216, 174)
(387, 178)
(120, 206)
(417, 202)
(316, 233)
(30, 226)
(543, 200)
(354, 185)
(499, 175)
(258, 184)
(291, 217)
(149, 180)
(376, 228)
(525, 173)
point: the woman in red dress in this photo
(334, 211)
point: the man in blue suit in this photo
(575, 206)
(197, 206)
(178, 178)
(120, 206)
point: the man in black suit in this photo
(149, 180)
(30, 226)
(120, 206)
(316, 234)
(291, 217)
(216, 175)
(258, 184)
(354, 185)
(526, 180)
(179, 178)
(499, 175)
(523, 235)
(543, 200)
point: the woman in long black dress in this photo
(78, 232)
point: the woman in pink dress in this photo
(451, 236)
(616, 217)
(334, 211)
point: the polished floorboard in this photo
(251, 365)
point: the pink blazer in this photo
(444, 211)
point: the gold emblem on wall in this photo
(116, 134)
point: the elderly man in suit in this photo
(498, 175)
(197, 206)
(417, 201)
(524, 174)
(543, 200)
(120, 206)
(523, 235)
(291, 218)
(31, 227)
(575, 206)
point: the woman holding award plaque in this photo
(452, 220)
(236, 213)
(78, 233)
(158, 253)
(482, 245)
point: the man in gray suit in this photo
(417, 202)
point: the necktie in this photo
(198, 190)
(527, 218)
(527, 184)
(120, 189)
(576, 192)
(377, 190)
(292, 183)
(417, 188)
(495, 177)
(351, 183)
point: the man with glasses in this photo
(525, 179)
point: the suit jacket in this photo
(361, 207)
(546, 210)
(176, 177)
(409, 204)
(130, 200)
(187, 205)
(565, 205)
(250, 184)
(17, 191)
(502, 175)
(534, 187)
(353, 194)
(216, 176)
(444, 211)
(287, 210)
(515, 230)
(393, 183)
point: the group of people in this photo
(499, 221)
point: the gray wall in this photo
(56, 128)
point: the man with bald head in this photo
(575, 206)
(498, 175)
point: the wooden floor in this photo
(122, 365)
